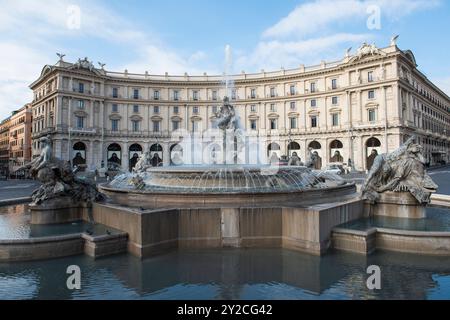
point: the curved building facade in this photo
(348, 111)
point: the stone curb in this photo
(13, 201)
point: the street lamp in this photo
(352, 138)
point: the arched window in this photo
(315, 145)
(156, 155)
(372, 151)
(135, 152)
(79, 150)
(336, 151)
(114, 155)
(176, 155)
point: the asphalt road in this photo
(10, 189)
(441, 176)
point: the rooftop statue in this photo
(58, 179)
(401, 170)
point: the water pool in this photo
(231, 274)
(15, 224)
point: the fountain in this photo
(231, 201)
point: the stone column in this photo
(166, 154)
(90, 155)
(360, 153)
(349, 109)
(125, 157)
(359, 106)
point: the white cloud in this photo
(270, 55)
(158, 60)
(312, 31)
(32, 31)
(311, 17)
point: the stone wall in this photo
(152, 232)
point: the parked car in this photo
(335, 168)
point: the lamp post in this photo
(352, 138)
(289, 143)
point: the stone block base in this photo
(105, 245)
(62, 210)
(398, 205)
(153, 232)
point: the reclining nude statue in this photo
(58, 179)
(401, 170)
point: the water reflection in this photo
(232, 274)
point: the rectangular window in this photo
(293, 105)
(114, 125)
(80, 104)
(313, 103)
(273, 124)
(80, 122)
(371, 94)
(135, 108)
(293, 123)
(156, 109)
(156, 126)
(195, 110)
(233, 94)
(313, 121)
(176, 95)
(313, 87)
(335, 119)
(176, 110)
(370, 76)
(115, 108)
(272, 92)
(214, 109)
(136, 94)
(81, 87)
(195, 126)
(195, 95)
(292, 90)
(253, 124)
(372, 115)
(156, 95)
(115, 93)
(175, 125)
(135, 125)
(253, 108)
(273, 107)
(214, 95)
(334, 100)
(334, 84)
(253, 93)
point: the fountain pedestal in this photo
(58, 210)
(398, 205)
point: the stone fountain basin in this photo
(164, 199)
(228, 186)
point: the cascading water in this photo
(231, 176)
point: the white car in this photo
(334, 168)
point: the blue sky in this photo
(189, 36)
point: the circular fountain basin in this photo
(228, 186)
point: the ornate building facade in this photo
(20, 140)
(348, 111)
(4, 147)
